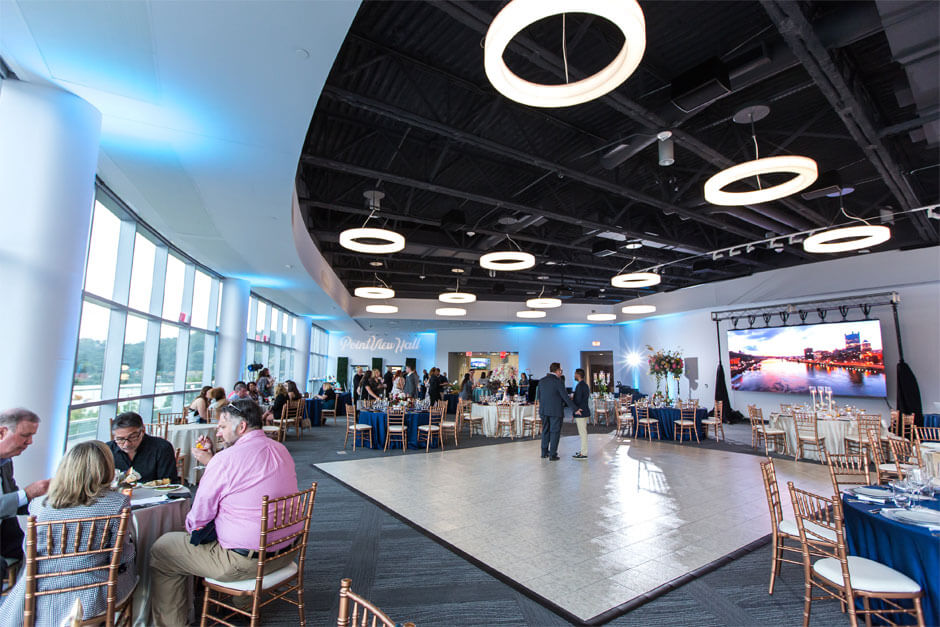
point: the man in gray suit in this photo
(17, 428)
(411, 382)
(551, 396)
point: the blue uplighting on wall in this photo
(256, 280)
(572, 325)
(519, 327)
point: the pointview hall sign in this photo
(373, 343)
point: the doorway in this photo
(595, 362)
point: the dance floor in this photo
(585, 536)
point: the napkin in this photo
(150, 500)
(870, 499)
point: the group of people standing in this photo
(553, 398)
(373, 386)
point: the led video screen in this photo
(845, 356)
(479, 363)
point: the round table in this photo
(378, 420)
(489, 415)
(151, 522)
(184, 438)
(667, 416)
(833, 431)
(911, 549)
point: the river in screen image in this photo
(790, 377)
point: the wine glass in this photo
(902, 497)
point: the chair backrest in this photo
(753, 410)
(173, 417)
(180, 461)
(436, 415)
(905, 452)
(291, 513)
(817, 515)
(157, 429)
(772, 491)
(642, 411)
(927, 434)
(395, 416)
(504, 413)
(355, 610)
(907, 426)
(848, 470)
(720, 411)
(877, 454)
(350, 415)
(786, 408)
(805, 422)
(74, 550)
(866, 424)
(687, 412)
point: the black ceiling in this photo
(408, 110)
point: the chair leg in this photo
(774, 563)
(205, 605)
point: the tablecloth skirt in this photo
(667, 416)
(184, 438)
(149, 524)
(833, 431)
(489, 415)
(379, 423)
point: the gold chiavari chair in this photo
(292, 414)
(214, 414)
(70, 547)
(325, 414)
(474, 423)
(601, 410)
(625, 421)
(529, 419)
(180, 464)
(781, 530)
(504, 421)
(157, 429)
(906, 455)
(716, 422)
(361, 432)
(685, 424)
(884, 471)
(844, 577)
(769, 435)
(290, 514)
(451, 426)
(859, 442)
(433, 428)
(927, 434)
(13, 568)
(907, 426)
(786, 408)
(848, 469)
(355, 610)
(807, 432)
(173, 417)
(395, 428)
(643, 419)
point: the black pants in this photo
(551, 432)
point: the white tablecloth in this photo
(488, 413)
(184, 438)
(149, 524)
(833, 432)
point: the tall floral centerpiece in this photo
(664, 364)
(602, 382)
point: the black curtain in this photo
(909, 393)
(721, 394)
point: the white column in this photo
(48, 157)
(233, 322)
(302, 354)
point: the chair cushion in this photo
(789, 527)
(396, 428)
(649, 421)
(855, 438)
(428, 428)
(449, 423)
(360, 426)
(270, 579)
(685, 422)
(270, 429)
(867, 575)
(709, 421)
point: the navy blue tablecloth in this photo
(315, 407)
(909, 549)
(932, 420)
(667, 416)
(379, 423)
(452, 400)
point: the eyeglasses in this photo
(129, 439)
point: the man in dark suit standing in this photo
(17, 428)
(357, 384)
(388, 378)
(582, 396)
(411, 382)
(552, 400)
(434, 385)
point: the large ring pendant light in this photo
(457, 297)
(543, 303)
(382, 309)
(803, 168)
(861, 237)
(639, 309)
(507, 260)
(351, 239)
(601, 317)
(519, 14)
(374, 292)
(636, 279)
(451, 311)
(530, 313)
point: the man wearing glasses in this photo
(152, 458)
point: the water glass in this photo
(902, 497)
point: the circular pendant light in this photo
(507, 260)
(857, 237)
(352, 239)
(530, 313)
(382, 309)
(636, 279)
(457, 297)
(803, 168)
(601, 317)
(519, 14)
(543, 303)
(374, 292)
(639, 309)
(451, 311)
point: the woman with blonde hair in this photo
(280, 397)
(218, 401)
(81, 488)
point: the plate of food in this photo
(168, 487)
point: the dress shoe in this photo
(579, 456)
(544, 456)
(554, 458)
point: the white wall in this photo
(683, 320)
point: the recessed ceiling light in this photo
(375, 264)
(638, 309)
(450, 311)
(530, 313)
(601, 317)
(374, 292)
(633, 245)
(543, 303)
(550, 263)
(636, 279)
(543, 277)
(422, 277)
(382, 309)
(457, 270)
(471, 233)
(457, 297)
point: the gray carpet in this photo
(412, 577)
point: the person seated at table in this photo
(253, 391)
(328, 395)
(153, 458)
(466, 388)
(81, 488)
(218, 401)
(239, 392)
(280, 398)
(199, 408)
(228, 500)
(375, 386)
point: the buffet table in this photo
(911, 549)
(832, 430)
(378, 420)
(667, 416)
(489, 415)
(184, 438)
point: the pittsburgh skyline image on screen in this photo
(845, 356)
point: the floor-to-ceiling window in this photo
(149, 323)
(319, 347)
(270, 342)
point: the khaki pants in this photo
(173, 560)
(582, 431)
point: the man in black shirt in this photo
(152, 458)
(389, 378)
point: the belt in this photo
(254, 554)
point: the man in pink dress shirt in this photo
(249, 467)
